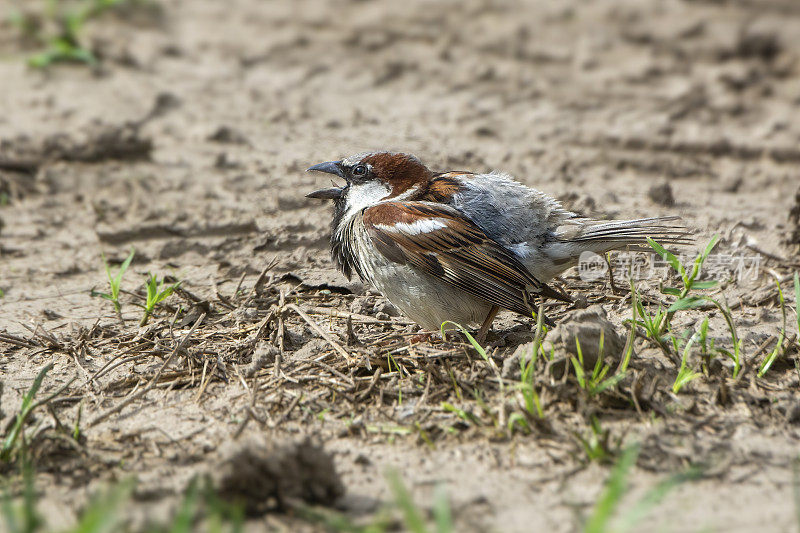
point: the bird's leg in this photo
(481, 337)
(610, 273)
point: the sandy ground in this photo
(189, 143)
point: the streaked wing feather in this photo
(456, 251)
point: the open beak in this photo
(332, 193)
(331, 167)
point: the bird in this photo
(456, 246)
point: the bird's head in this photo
(373, 177)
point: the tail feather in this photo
(607, 236)
(575, 238)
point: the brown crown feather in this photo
(400, 171)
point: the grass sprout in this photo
(104, 512)
(65, 43)
(11, 446)
(199, 510)
(478, 348)
(608, 506)
(475, 344)
(797, 303)
(413, 518)
(736, 355)
(685, 372)
(770, 359)
(115, 282)
(24, 518)
(156, 293)
(689, 279)
(626, 358)
(658, 326)
(596, 444)
(596, 382)
(530, 398)
(468, 417)
(706, 344)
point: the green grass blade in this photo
(704, 331)
(578, 371)
(689, 281)
(467, 417)
(123, 267)
(10, 515)
(24, 412)
(773, 356)
(166, 293)
(442, 515)
(103, 514)
(796, 475)
(797, 302)
(609, 383)
(76, 429)
(470, 338)
(632, 334)
(152, 290)
(685, 375)
(611, 497)
(108, 269)
(685, 372)
(412, 517)
(518, 419)
(668, 256)
(710, 246)
(651, 498)
(33, 519)
(689, 302)
(25, 519)
(580, 352)
(184, 518)
(598, 372)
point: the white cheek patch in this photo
(423, 225)
(365, 195)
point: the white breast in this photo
(424, 299)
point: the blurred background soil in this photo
(189, 139)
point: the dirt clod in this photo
(587, 326)
(98, 143)
(793, 239)
(228, 135)
(662, 194)
(264, 475)
(759, 43)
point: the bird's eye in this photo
(360, 171)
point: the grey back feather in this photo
(493, 202)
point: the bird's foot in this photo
(427, 336)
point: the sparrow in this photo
(458, 246)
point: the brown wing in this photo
(438, 240)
